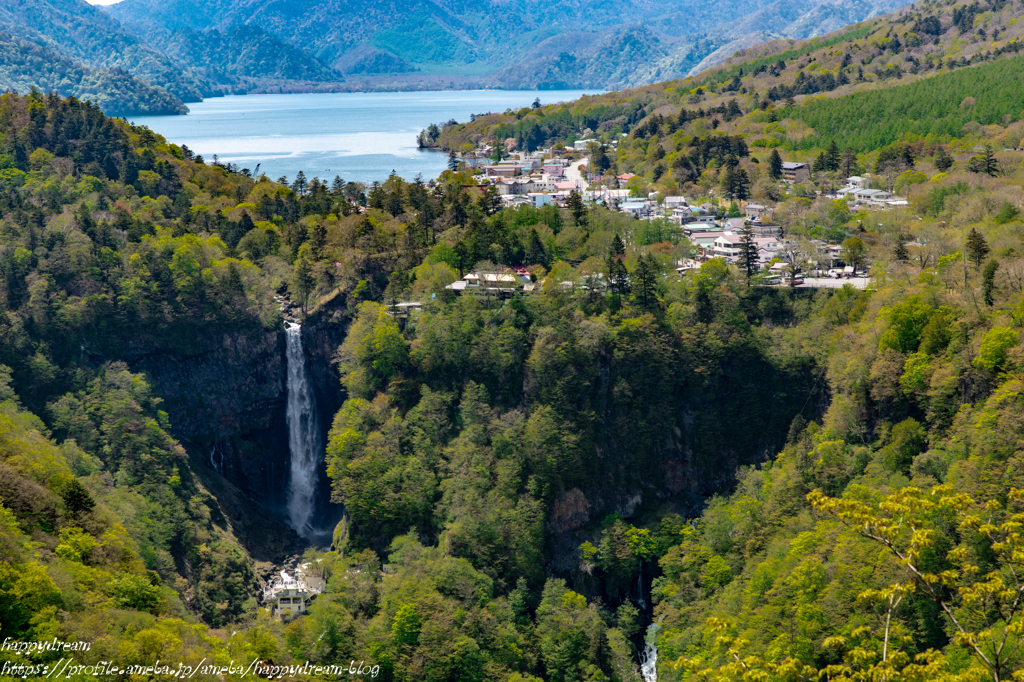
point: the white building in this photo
(872, 195)
(290, 595)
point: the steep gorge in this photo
(226, 399)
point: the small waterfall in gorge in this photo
(649, 658)
(303, 437)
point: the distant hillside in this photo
(24, 65)
(243, 54)
(504, 43)
(188, 64)
(897, 77)
(79, 31)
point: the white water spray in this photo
(649, 658)
(303, 437)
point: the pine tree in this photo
(337, 187)
(299, 186)
(453, 161)
(748, 253)
(990, 165)
(318, 240)
(775, 165)
(302, 276)
(645, 277)
(725, 179)
(988, 278)
(943, 161)
(849, 164)
(577, 207)
(245, 224)
(536, 254)
(618, 248)
(820, 164)
(833, 159)
(739, 184)
(977, 247)
(618, 276)
(900, 254)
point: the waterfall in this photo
(649, 658)
(303, 437)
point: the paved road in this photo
(572, 174)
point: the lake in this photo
(358, 136)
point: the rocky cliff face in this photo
(226, 398)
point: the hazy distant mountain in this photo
(509, 43)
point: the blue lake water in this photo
(358, 136)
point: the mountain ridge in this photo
(515, 44)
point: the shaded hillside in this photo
(24, 65)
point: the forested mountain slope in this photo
(79, 31)
(188, 66)
(530, 482)
(523, 44)
(24, 65)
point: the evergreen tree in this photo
(299, 186)
(618, 276)
(453, 161)
(245, 224)
(318, 239)
(990, 165)
(645, 278)
(775, 165)
(536, 254)
(393, 203)
(618, 248)
(337, 187)
(943, 161)
(577, 207)
(77, 499)
(977, 247)
(302, 276)
(738, 184)
(988, 279)
(849, 165)
(833, 159)
(900, 254)
(726, 180)
(734, 211)
(377, 196)
(820, 164)
(748, 253)
(490, 202)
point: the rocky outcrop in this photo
(226, 399)
(226, 402)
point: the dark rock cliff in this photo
(226, 398)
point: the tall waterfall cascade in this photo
(649, 658)
(303, 437)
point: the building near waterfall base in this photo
(289, 595)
